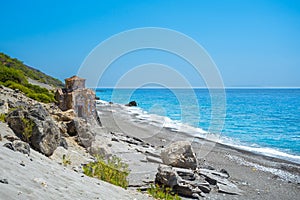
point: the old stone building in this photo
(76, 96)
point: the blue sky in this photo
(253, 43)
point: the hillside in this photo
(15, 75)
(28, 71)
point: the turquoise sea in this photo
(265, 121)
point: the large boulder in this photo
(80, 128)
(179, 154)
(36, 127)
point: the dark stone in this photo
(131, 103)
(71, 129)
(63, 143)
(9, 145)
(4, 181)
(224, 171)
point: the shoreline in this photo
(202, 134)
(259, 176)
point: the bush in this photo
(160, 192)
(113, 171)
(66, 160)
(10, 74)
(28, 126)
(2, 117)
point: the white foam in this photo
(281, 173)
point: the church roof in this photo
(74, 78)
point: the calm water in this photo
(262, 120)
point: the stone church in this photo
(75, 96)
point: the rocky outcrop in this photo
(131, 103)
(179, 154)
(36, 127)
(195, 183)
(19, 145)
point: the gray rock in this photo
(179, 154)
(21, 146)
(39, 112)
(15, 120)
(194, 183)
(45, 136)
(229, 189)
(166, 176)
(35, 127)
(100, 148)
(18, 145)
(85, 135)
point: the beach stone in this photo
(131, 103)
(179, 154)
(166, 176)
(185, 182)
(21, 146)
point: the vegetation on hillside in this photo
(164, 193)
(14, 74)
(29, 72)
(113, 171)
(15, 79)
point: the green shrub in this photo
(66, 160)
(113, 171)
(10, 74)
(2, 117)
(30, 72)
(28, 126)
(160, 192)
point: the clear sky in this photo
(253, 42)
